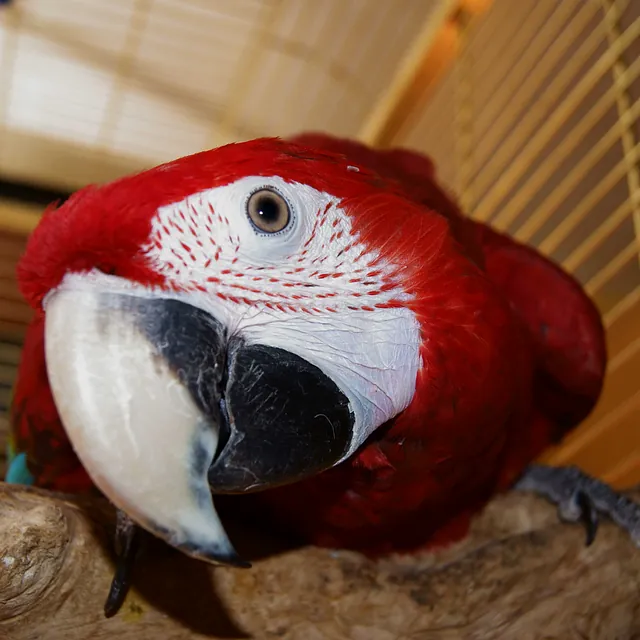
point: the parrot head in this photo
(232, 321)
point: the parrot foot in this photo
(127, 542)
(581, 498)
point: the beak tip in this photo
(237, 562)
(225, 557)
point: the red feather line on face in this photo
(330, 264)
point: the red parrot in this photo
(311, 323)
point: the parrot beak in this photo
(162, 407)
(135, 427)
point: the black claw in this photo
(127, 542)
(588, 516)
(576, 493)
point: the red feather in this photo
(513, 350)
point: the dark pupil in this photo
(268, 208)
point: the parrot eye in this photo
(268, 211)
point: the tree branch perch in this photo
(520, 574)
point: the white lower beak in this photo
(132, 423)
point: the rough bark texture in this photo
(519, 575)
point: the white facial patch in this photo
(312, 289)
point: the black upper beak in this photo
(280, 418)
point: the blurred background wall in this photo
(529, 108)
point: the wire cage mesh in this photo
(534, 126)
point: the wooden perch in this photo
(519, 575)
